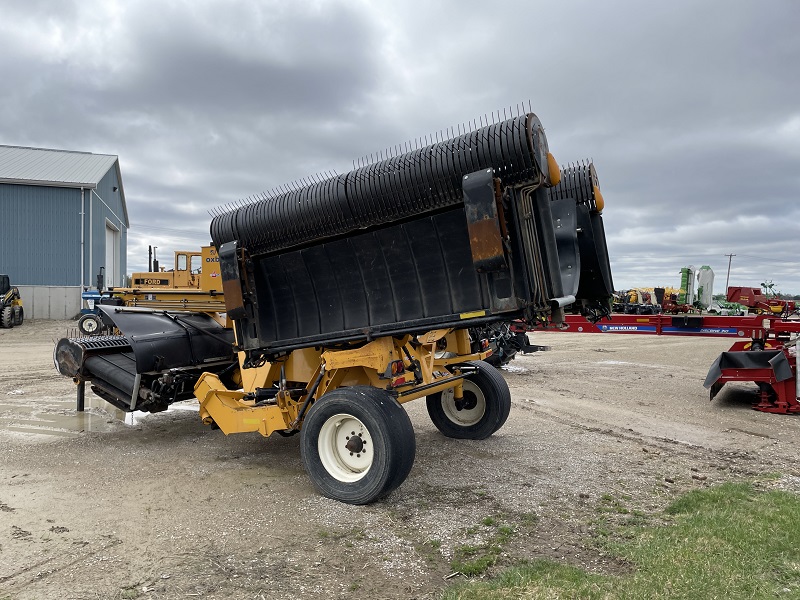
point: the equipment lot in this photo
(165, 507)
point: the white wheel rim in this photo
(469, 414)
(343, 462)
(89, 325)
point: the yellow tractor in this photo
(194, 284)
(192, 270)
(11, 311)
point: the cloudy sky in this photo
(689, 109)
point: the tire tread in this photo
(498, 405)
(386, 421)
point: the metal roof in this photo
(62, 168)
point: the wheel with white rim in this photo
(345, 448)
(89, 324)
(481, 411)
(357, 444)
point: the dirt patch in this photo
(602, 428)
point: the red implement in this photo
(762, 352)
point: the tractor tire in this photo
(485, 408)
(357, 444)
(19, 316)
(6, 318)
(90, 325)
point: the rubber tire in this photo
(87, 329)
(393, 443)
(6, 318)
(19, 316)
(497, 398)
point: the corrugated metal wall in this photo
(40, 232)
(40, 235)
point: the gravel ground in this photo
(103, 506)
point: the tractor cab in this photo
(191, 271)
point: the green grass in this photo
(728, 542)
(475, 559)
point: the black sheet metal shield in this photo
(483, 226)
(411, 276)
(162, 341)
(578, 184)
(231, 280)
(763, 359)
(569, 260)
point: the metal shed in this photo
(62, 217)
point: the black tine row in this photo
(443, 135)
(578, 181)
(397, 186)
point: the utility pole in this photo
(728, 278)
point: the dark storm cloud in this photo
(297, 64)
(688, 109)
(204, 104)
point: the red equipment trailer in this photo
(764, 352)
(750, 326)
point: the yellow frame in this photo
(424, 357)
